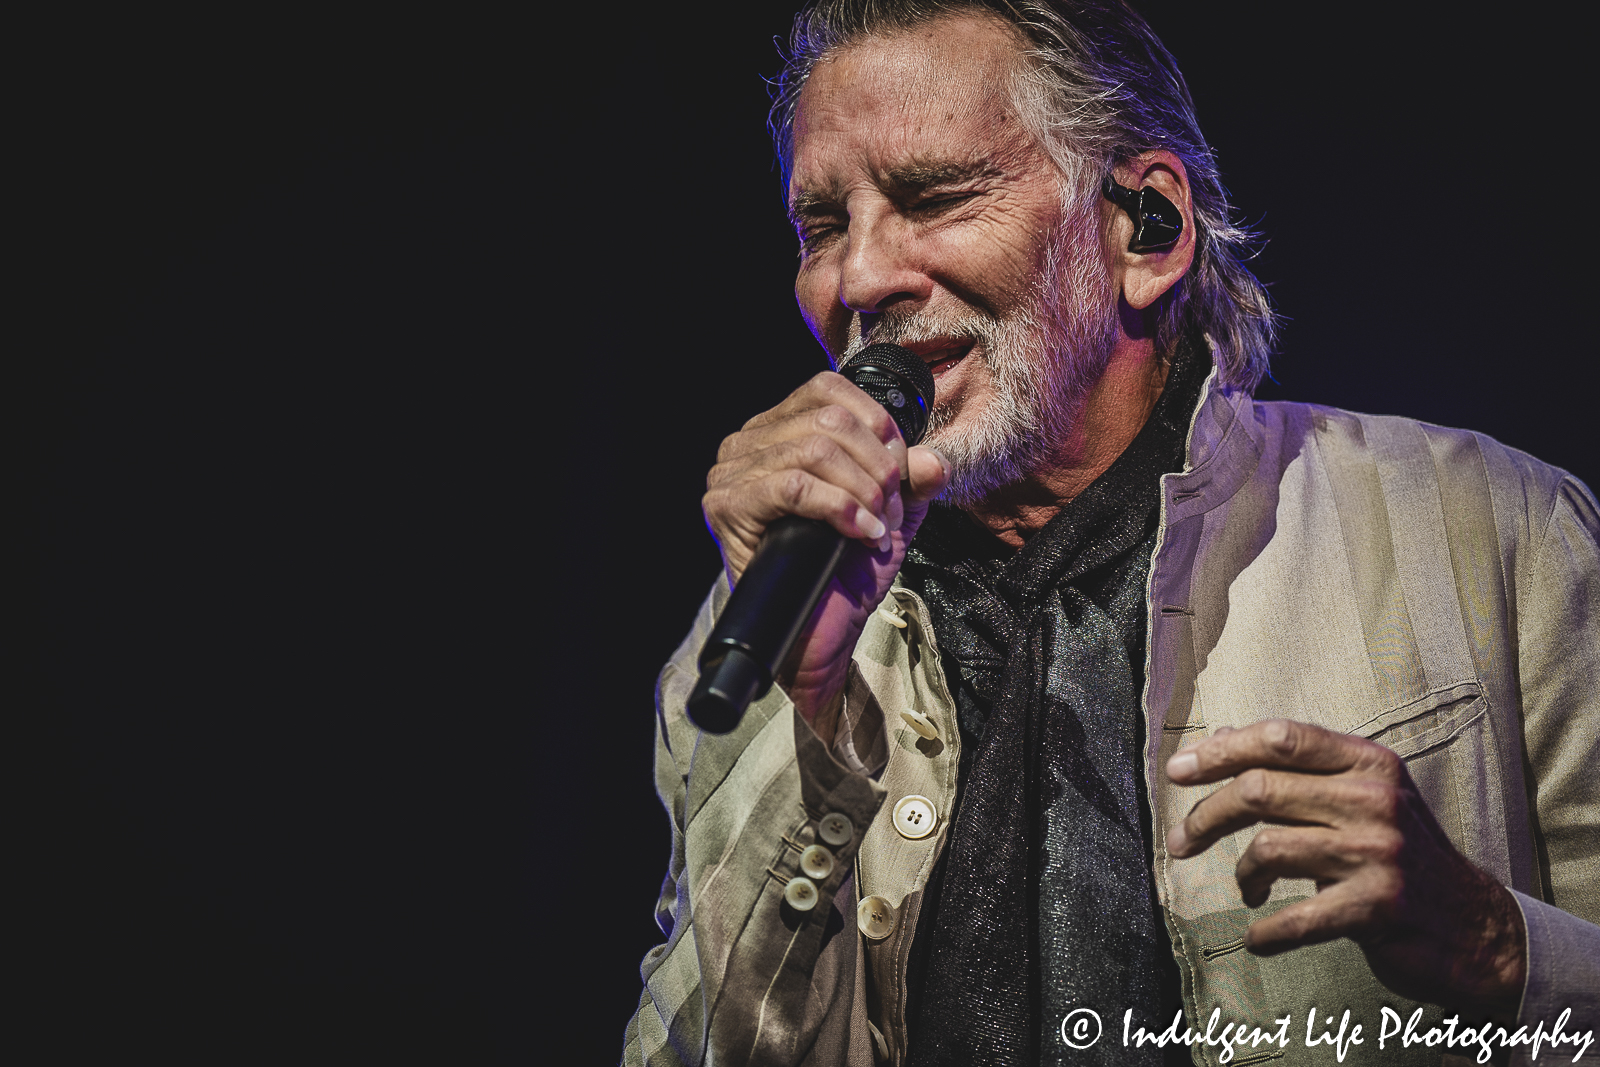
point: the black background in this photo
(363, 383)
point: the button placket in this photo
(920, 777)
(803, 890)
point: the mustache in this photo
(901, 328)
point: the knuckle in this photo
(725, 471)
(1387, 845)
(888, 469)
(817, 389)
(1255, 788)
(1282, 736)
(818, 449)
(1387, 891)
(718, 505)
(1269, 846)
(792, 488)
(1382, 801)
(830, 383)
(1373, 917)
(1374, 760)
(833, 418)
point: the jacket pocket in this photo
(1433, 719)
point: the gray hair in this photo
(1101, 90)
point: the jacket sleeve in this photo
(745, 976)
(1558, 637)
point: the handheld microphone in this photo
(795, 561)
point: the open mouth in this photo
(941, 356)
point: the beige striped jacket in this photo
(1427, 588)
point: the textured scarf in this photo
(1043, 903)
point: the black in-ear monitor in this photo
(1157, 222)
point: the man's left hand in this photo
(1344, 812)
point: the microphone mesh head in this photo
(897, 379)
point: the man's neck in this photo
(1114, 412)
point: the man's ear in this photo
(1142, 277)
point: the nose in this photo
(880, 266)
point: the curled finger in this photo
(1351, 908)
(1314, 852)
(1284, 797)
(1277, 743)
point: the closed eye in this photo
(940, 202)
(816, 224)
(814, 235)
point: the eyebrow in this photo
(918, 176)
(915, 177)
(809, 205)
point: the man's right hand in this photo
(827, 452)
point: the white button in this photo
(876, 918)
(915, 817)
(835, 829)
(920, 723)
(816, 862)
(801, 893)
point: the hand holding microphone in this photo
(813, 504)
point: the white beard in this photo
(1043, 358)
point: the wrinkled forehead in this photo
(942, 88)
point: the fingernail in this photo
(869, 523)
(1183, 765)
(885, 543)
(1177, 840)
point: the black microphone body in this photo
(794, 562)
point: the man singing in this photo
(1131, 694)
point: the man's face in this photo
(930, 217)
